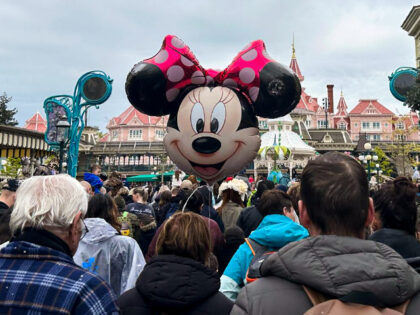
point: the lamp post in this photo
(92, 89)
(368, 157)
(62, 136)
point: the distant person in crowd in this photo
(285, 178)
(416, 174)
(395, 202)
(193, 202)
(179, 279)
(37, 271)
(177, 194)
(276, 230)
(93, 178)
(95, 170)
(140, 206)
(7, 200)
(146, 231)
(234, 237)
(164, 198)
(335, 262)
(116, 258)
(232, 193)
(294, 194)
(87, 187)
(207, 209)
(250, 217)
(186, 185)
(177, 178)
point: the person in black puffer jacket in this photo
(177, 280)
(395, 203)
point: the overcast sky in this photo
(46, 45)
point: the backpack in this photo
(260, 253)
(354, 303)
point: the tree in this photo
(12, 167)
(7, 115)
(384, 162)
(413, 96)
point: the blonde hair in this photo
(48, 201)
(185, 234)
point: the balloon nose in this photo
(206, 145)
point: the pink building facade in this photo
(133, 126)
(368, 116)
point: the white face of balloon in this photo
(208, 142)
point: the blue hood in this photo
(277, 230)
(94, 181)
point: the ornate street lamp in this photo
(368, 157)
(92, 89)
(63, 127)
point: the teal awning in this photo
(143, 178)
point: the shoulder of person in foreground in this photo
(277, 296)
(95, 296)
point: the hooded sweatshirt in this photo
(274, 232)
(335, 266)
(117, 259)
(176, 285)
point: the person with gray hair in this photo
(46, 226)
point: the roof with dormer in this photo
(36, 123)
(131, 116)
(372, 105)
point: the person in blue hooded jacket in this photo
(276, 230)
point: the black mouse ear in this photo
(154, 84)
(145, 87)
(279, 91)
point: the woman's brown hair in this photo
(103, 206)
(185, 234)
(230, 195)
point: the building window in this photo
(401, 137)
(262, 124)
(356, 137)
(376, 125)
(376, 137)
(400, 125)
(365, 125)
(135, 134)
(355, 124)
(159, 133)
(322, 123)
(308, 123)
(386, 124)
(342, 125)
(114, 135)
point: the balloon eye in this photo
(200, 125)
(218, 117)
(214, 126)
(197, 118)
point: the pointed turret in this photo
(342, 106)
(36, 123)
(293, 63)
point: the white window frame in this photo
(135, 134)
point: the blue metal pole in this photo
(92, 89)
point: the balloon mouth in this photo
(207, 169)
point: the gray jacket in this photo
(230, 214)
(116, 258)
(332, 265)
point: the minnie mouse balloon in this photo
(213, 127)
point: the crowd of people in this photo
(326, 243)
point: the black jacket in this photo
(403, 243)
(175, 285)
(4, 222)
(249, 219)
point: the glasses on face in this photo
(85, 230)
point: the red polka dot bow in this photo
(181, 68)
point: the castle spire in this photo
(293, 63)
